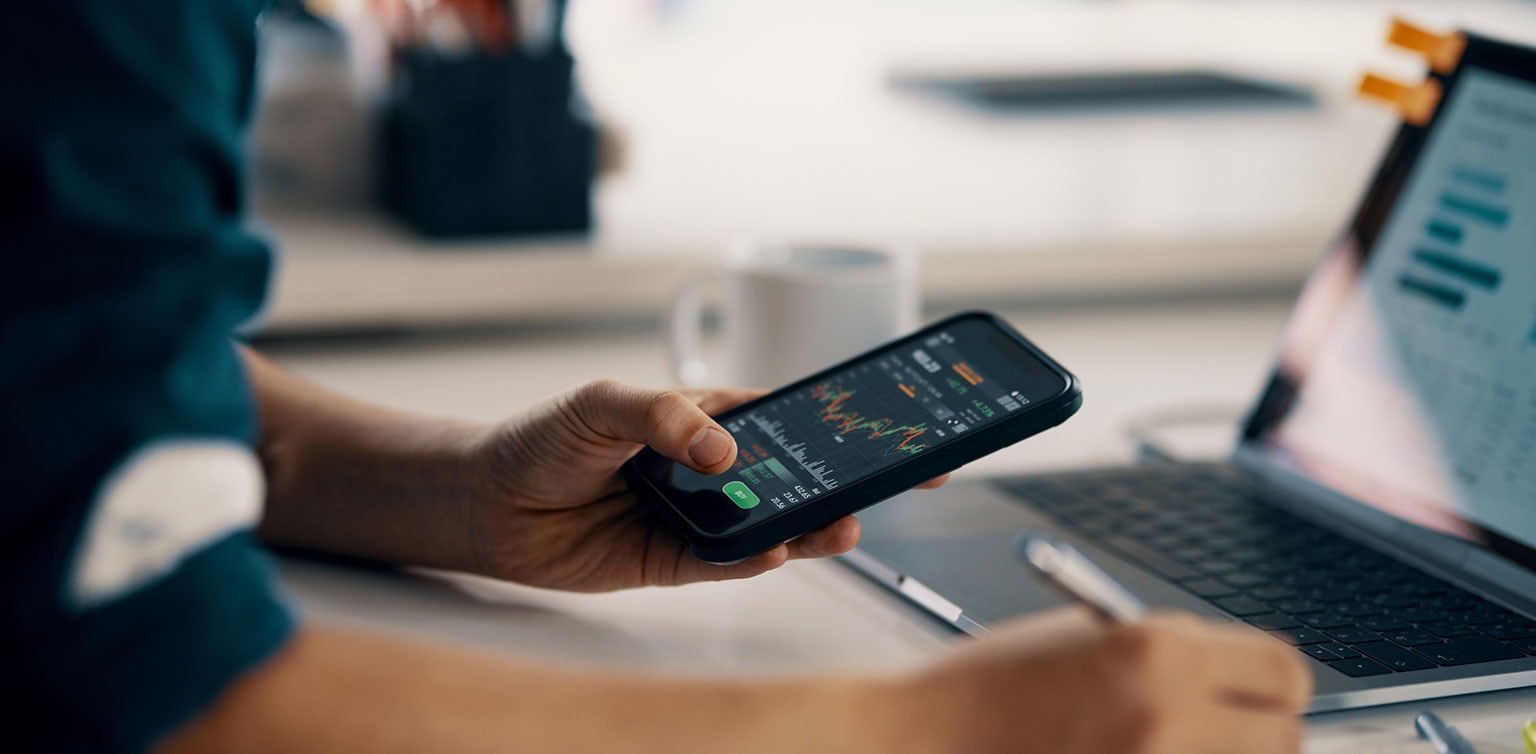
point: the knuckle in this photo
(664, 407)
(602, 389)
(594, 403)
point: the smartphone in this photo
(859, 432)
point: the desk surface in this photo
(1132, 359)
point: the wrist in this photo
(919, 715)
(892, 718)
(836, 714)
(375, 485)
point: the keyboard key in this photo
(1368, 591)
(1418, 615)
(1327, 557)
(1217, 566)
(1353, 635)
(1319, 652)
(1359, 610)
(1469, 649)
(1422, 591)
(1325, 620)
(1162, 564)
(1393, 656)
(1301, 578)
(1359, 667)
(1301, 636)
(1487, 616)
(1298, 607)
(1326, 594)
(1209, 588)
(1245, 555)
(1192, 551)
(1452, 604)
(1448, 629)
(1508, 631)
(1179, 552)
(1274, 622)
(1389, 600)
(1411, 637)
(1242, 606)
(1343, 651)
(1271, 592)
(1241, 579)
(1381, 622)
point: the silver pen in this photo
(1446, 738)
(1077, 577)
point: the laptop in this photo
(1378, 511)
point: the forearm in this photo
(335, 690)
(355, 479)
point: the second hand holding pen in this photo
(1071, 572)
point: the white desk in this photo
(809, 614)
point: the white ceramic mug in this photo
(791, 309)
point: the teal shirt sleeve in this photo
(126, 268)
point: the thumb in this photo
(666, 420)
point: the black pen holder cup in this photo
(478, 144)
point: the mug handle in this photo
(688, 368)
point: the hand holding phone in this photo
(860, 432)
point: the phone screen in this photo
(887, 408)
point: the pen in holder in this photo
(481, 143)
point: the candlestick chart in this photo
(835, 411)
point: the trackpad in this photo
(958, 541)
(978, 573)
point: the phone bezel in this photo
(644, 470)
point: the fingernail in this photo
(709, 447)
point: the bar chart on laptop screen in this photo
(1439, 273)
(1452, 282)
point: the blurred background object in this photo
(781, 118)
(312, 145)
(792, 308)
(481, 131)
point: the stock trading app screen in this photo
(871, 416)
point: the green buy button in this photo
(741, 495)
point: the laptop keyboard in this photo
(1338, 601)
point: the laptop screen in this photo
(1407, 375)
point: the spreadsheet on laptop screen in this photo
(1413, 361)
